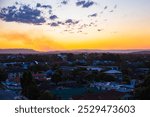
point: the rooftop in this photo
(113, 72)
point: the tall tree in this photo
(57, 76)
(142, 92)
(29, 87)
(3, 75)
(46, 95)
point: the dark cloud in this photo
(99, 30)
(59, 22)
(80, 3)
(50, 11)
(38, 5)
(24, 14)
(93, 15)
(85, 4)
(88, 4)
(54, 24)
(43, 6)
(16, 3)
(70, 22)
(105, 7)
(64, 2)
(53, 17)
(47, 6)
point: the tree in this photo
(89, 77)
(113, 57)
(3, 75)
(142, 92)
(37, 68)
(57, 76)
(127, 79)
(29, 87)
(46, 95)
(104, 77)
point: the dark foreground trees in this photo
(57, 76)
(142, 92)
(29, 87)
(46, 95)
(31, 90)
(3, 75)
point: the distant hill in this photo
(18, 51)
(31, 51)
(141, 52)
(98, 51)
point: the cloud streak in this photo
(71, 22)
(85, 4)
(53, 17)
(93, 15)
(43, 6)
(64, 2)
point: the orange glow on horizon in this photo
(38, 38)
(45, 43)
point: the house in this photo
(112, 67)
(12, 85)
(2, 66)
(115, 73)
(39, 75)
(81, 61)
(67, 68)
(7, 95)
(68, 83)
(49, 73)
(62, 56)
(25, 65)
(107, 86)
(90, 68)
(142, 71)
(125, 88)
(15, 75)
(103, 62)
(96, 62)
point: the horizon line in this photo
(130, 49)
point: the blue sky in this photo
(125, 9)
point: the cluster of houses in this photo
(15, 72)
(115, 86)
(14, 75)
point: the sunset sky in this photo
(75, 24)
